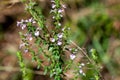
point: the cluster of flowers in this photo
(74, 52)
(81, 69)
(61, 10)
(24, 43)
(57, 38)
(57, 11)
(23, 23)
(27, 36)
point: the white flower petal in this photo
(60, 35)
(82, 64)
(37, 33)
(72, 56)
(80, 71)
(59, 43)
(52, 39)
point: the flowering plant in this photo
(63, 58)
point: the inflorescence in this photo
(55, 41)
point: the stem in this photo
(81, 51)
(91, 61)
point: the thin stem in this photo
(87, 57)
(81, 51)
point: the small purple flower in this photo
(31, 20)
(53, 6)
(80, 71)
(37, 33)
(64, 6)
(26, 51)
(29, 37)
(21, 24)
(60, 10)
(18, 23)
(72, 56)
(60, 35)
(21, 45)
(52, 39)
(59, 43)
